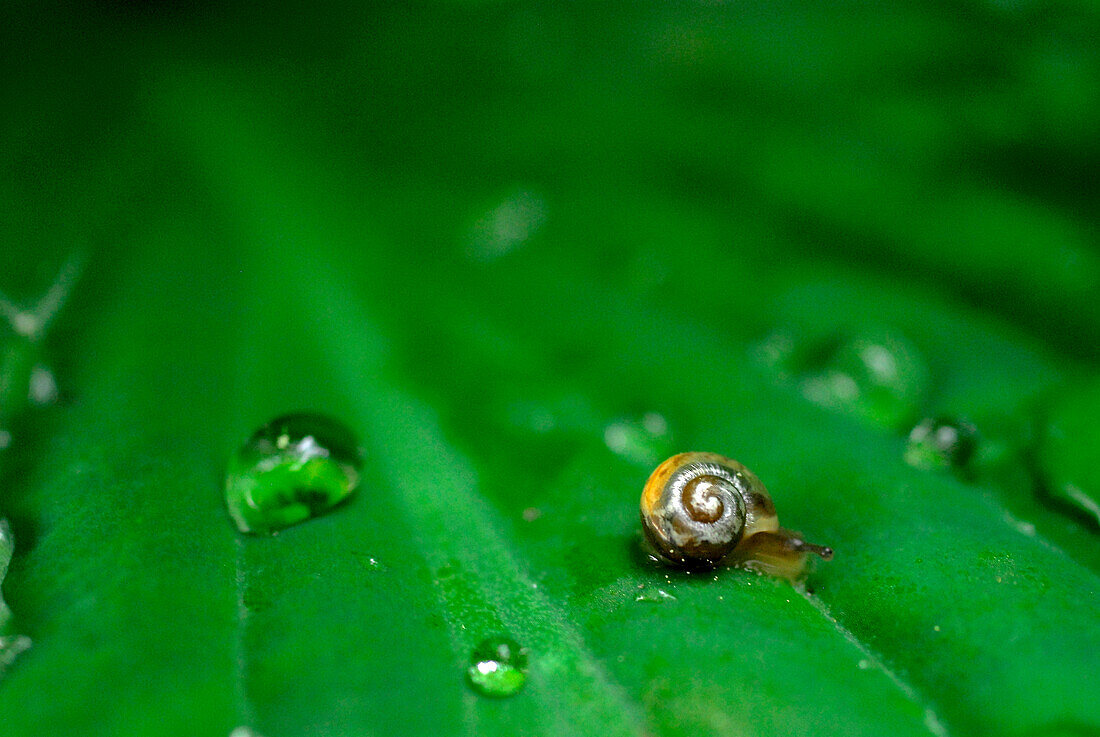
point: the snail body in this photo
(703, 509)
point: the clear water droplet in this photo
(1067, 449)
(940, 443)
(654, 595)
(293, 468)
(498, 667)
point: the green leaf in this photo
(520, 309)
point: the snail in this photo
(703, 509)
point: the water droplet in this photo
(293, 468)
(369, 562)
(864, 664)
(498, 667)
(654, 595)
(878, 377)
(939, 443)
(645, 441)
(531, 514)
(1067, 449)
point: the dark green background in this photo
(492, 237)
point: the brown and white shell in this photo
(700, 509)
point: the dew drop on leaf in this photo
(878, 377)
(654, 595)
(940, 443)
(498, 667)
(294, 468)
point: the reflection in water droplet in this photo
(5, 439)
(1067, 449)
(498, 667)
(654, 595)
(244, 732)
(939, 443)
(293, 468)
(531, 514)
(645, 441)
(11, 645)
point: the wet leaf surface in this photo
(524, 254)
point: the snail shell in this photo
(700, 508)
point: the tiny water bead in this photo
(498, 667)
(295, 467)
(940, 443)
(653, 595)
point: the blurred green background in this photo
(527, 250)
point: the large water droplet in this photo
(939, 443)
(293, 468)
(498, 667)
(1067, 450)
(878, 377)
(874, 374)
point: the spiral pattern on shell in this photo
(694, 508)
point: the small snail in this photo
(702, 509)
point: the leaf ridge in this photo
(444, 490)
(246, 710)
(931, 718)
